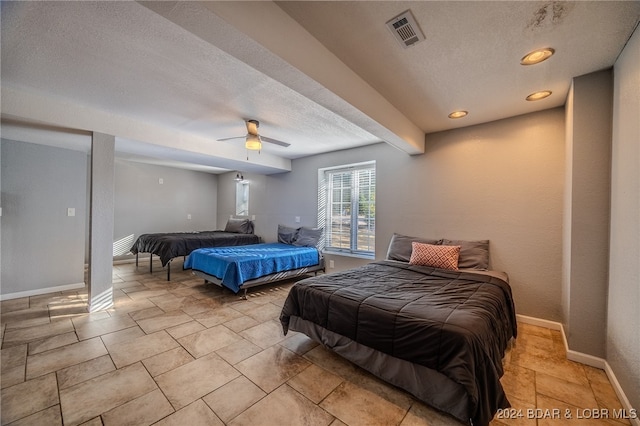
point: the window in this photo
(347, 208)
(242, 198)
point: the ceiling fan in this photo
(253, 140)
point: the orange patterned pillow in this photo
(443, 257)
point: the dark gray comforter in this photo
(458, 323)
(175, 244)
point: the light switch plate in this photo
(71, 211)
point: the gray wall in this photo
(586, 213)
(623, 319)
(42, 247)
(143, 205)
(501, 181)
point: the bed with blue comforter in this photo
(240, 267)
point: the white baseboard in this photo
(586, 359)
(40, 291)
(552, 325)
(621, 395)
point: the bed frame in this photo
(267, 279)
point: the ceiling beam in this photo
(265, 37)
(168, 143)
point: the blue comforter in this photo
(235, 265)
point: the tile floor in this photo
(184, 353)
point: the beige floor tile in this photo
(27, 398)
(36, 332)
(264, 335)
(595, 374)
(606, 396)
(144, 410)
(298, 343)
(552, 365)
(66, 356)
(131, 351)
(422, 415)
(194, 414)
(554, 412)
(520, 413)
(245, 306)
(191, 381)
(533, 330)
(167, 361)
(124, 305)
(283, 407)
(121, 336)
(185, 329)
(209, 340)
(233, 398)
(241, 323)
(91, 398)
(104, 326)
(84, 371)
(200, 305)
(238, 351)
(13, 305)
(12, 376)
(52, 342)
(265, 312)
(563, 390)
(169, 302)
(170, 319)
(216, 317)
(93, 316)
(25, 318)
(272, 367)
(519, 382)
(144, 293)
(49, 417)
(352, 405)
(13, 356)
(315, 383)
(146, 313)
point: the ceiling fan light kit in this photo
(252, 140)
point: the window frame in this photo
(325, 190)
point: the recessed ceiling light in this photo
(536, 96)
(458, 114)
(537, 56)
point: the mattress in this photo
(238, 264)
(170, 245)
(455, 323)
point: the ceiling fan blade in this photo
(228, 139)
(252, 126)
(274, 141)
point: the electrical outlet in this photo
(160, 181)
(332, 264)
(297, 219)
(71, 212)
(188, 217)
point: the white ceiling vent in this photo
(405, 29)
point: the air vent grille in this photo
(405, 29)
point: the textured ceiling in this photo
(170, 78)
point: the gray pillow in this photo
(239, 226)
(308, 237)
(287, 234)
(473, 254)
(400, 246)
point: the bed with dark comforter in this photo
(175, 244)
(439, 334)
